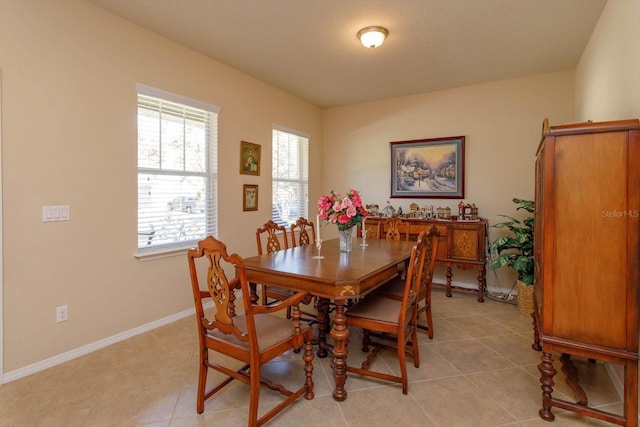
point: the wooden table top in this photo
(336, 276)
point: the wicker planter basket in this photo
(525, 298)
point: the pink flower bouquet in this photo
(346, 211)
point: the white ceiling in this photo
(309, 47)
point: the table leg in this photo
(254, 293)
(322, 309)
(340, 335)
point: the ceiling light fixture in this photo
(372, 36)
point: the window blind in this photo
(177, 171)
(290, 176)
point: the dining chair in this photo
(254, 336)
(272, 234)
(388, 319)
(305, 231)
(395, 288)
(394, 229)
(372, 230)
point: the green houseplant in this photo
(515, 250)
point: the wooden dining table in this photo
(335, 276)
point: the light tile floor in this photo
(479, 370)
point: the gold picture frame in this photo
(249, 158)
(249, 197)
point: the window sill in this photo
(159, 254)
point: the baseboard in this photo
(89, 348)
(467, 286)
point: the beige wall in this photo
(608, 79)
(69, 72)
(608, 75)
(501, 122)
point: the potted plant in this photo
(515, 250)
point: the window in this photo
(177, 170)
(290, 176)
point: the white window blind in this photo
(290, 176)
(177, 171)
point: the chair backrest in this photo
(270, 229)
(373, 231)
(306, 232)
(423, 248)
(392, 229)
(221, 290)
(433, 239)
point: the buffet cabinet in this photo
(462, 243)
(587, 249)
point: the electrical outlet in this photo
(62, 313)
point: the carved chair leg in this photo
(254, 396)
(202, 380)
(308, 368)
(366, 340)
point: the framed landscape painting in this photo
(428, 168)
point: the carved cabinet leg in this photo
(482, 279)
(536, 335)
(547, 372)
(449, 276)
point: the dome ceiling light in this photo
(372, 36)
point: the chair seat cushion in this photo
(270, 330)
(376, 308)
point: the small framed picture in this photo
(249, 158)
(249, 197)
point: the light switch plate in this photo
(56, 213)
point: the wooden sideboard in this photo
(462, 243)
(586, 257)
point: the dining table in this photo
(331, 275)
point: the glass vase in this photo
(345, 239)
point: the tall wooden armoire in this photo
(587, 238)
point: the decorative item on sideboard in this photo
(443, 212)
(389, 211)
(466, 212)
(427, 212)
(374, 210)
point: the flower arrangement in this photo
(346, 211)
